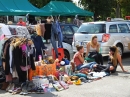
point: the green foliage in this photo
(106, 8)
(41, 3)
(125, 7)
(101, 8)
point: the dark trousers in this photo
(99, 59)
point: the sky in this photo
(76, 1)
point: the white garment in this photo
(11, 56)
(92, 49)
(98, 74)
(68, 70)
(14, 73)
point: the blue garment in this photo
(55, 34)
(59, 31)
(39, 45)
(81, 75)
(88, 65)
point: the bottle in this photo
(40, 57)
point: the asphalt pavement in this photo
(116, 85)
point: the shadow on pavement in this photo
(29, 95)
(43, 95)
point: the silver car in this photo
(116, 33)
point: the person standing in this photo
(93, 48)
(108, 19)
(21, 22)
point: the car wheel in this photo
(120, 49)
(67, 55)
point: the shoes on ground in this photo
(5, 85)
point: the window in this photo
(92, 28)
(123, 28)
(75, 28)
(66, 30)
(12, 30)
(113, 29)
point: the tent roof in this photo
(65, 8)
(19, 7)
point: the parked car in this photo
(68, 31)
(116, 33)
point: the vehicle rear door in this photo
(67, 33)
(86, 31)
(125, 34)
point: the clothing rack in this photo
(27, 81)
(15, 35)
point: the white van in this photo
(116, 33)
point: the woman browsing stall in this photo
(93, 49)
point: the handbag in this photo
(92, 54)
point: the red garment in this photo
(76, 59)
(21, 23)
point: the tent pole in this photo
(7, 17)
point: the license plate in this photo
(84, 44)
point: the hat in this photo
(113, 49)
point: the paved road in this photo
(116, 85)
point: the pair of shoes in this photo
(40, 91)
(16, 91)
(10, 87)
(83, 80)
(32, 91)
(23, 92)
(1, 84)
(4, 86)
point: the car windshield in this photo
(92, 28)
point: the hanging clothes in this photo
(39, 45)
(56, 35)
(15, 60)
(42, 26)
(38, 29)
(47, 34)
(77, 22)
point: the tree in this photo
(41, 3)
(125, 7)
(101, 8)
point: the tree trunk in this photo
(118, 11)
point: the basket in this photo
(39, 82)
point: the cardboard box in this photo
(129, 46)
